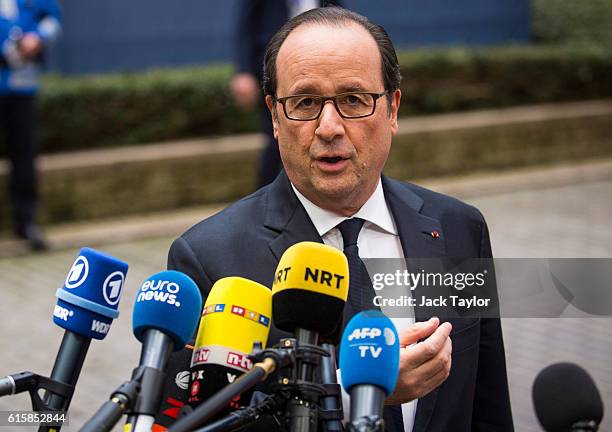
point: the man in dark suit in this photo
(257, 22)
(332, 86)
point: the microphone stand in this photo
(33, 383)
(247, 416)
(367, 424)
(121, 401)
(302, 408)
(307, 405)
(332, 403)
(295, 392)
(138, 400)
(363, 398)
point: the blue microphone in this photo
(86, 306)
(166, 313)
(89, 300)
(369, 361)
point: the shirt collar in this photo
(375, 211)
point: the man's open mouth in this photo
(331, 159)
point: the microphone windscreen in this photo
(89, 300)
(563, 394)
(310, 289)
(168, 301)
(369, 352)
(236, 314)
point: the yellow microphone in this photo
(236, 314)
(310, 289)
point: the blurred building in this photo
(115, 35)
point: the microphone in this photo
(166, 313)
(236, 315)
(309, 291)
(308, 296)
(165, 316)
(369, 361)
(86, 306)
(566, 398)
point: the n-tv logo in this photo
(78, 273)
(111, 289)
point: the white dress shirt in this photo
(378, 238)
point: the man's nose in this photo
(330, 124)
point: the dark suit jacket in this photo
(248, 238)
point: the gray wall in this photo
(119, 35)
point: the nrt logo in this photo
(78, 273)
(112, 288)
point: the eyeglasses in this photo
(305, 107)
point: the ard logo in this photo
(78, 273)
(112, 288)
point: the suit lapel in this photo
(415, 231)
(286, 215)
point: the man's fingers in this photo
(415, 355)
(418, 331)
(418, 379)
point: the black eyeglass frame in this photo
(375, 96)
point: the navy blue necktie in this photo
(361, 295)
(361, 292)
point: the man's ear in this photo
(272, 107)
(394, 109)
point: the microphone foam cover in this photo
(89, 299)
(563, 394)
(369, 352)
(236, 314)
(168, 301)
(310, 288)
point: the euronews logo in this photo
(159, 291)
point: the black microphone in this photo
(566, 398)
(86, 306)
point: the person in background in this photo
(257, 22)
(26, 28)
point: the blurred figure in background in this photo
(26, 27)
(258, 20)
